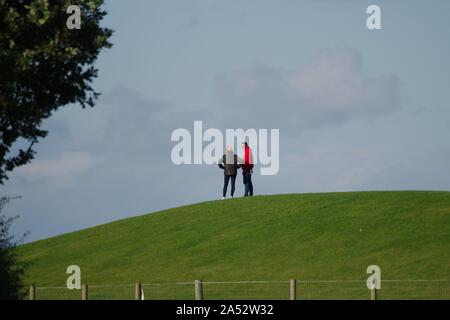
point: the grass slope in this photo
(304, 236)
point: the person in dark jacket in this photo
(230, 165)
(247, 170)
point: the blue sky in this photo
(356, 109)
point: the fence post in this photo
(84, 292)
(32, 292)
(198, 290)
(373, 293)
(293, 289)
(137, 291)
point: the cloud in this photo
(331, 88)
(191, 23)
(336, 167)
(61, 169)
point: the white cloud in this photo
(61, 169)
(333, 79)
(337, 167)
(331, 88)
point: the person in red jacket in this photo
(247, 169)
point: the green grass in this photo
(324, 236)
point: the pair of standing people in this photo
(230, 163)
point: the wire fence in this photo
(253, 290)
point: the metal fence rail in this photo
(256, 290)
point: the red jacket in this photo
(248, 159)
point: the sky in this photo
(357, 109)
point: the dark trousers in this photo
(225, 184)
(248, 183)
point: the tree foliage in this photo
(11, 269)
(43, 66)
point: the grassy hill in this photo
(325, 236)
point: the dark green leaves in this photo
(43, 66)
